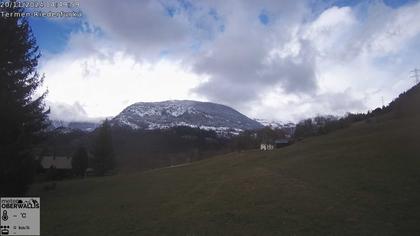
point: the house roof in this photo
(281, 141)
(59, 162)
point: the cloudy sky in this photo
(280, 60)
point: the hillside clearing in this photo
(358, 181)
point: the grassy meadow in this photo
(363, 180)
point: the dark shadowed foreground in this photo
(363, 180)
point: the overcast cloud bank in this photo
(283, 60)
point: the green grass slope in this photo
(364, 180)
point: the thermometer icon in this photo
(4, 216)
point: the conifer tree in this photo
(23, 115)
(79, 162)
(104, 160)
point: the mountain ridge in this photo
(171, 113)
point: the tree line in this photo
(405, 104)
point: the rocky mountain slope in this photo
(205, 115)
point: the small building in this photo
(56, 167)
(90, 172)
(279, 143)
(266, 147)
(56, 162)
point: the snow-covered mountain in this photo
(287, 127)
(275, 124)
(205, 115)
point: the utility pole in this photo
(415, 74)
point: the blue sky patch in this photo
(264, 18)
(52, 35)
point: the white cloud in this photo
(67, 112)
(298, 65)
(103, 86)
